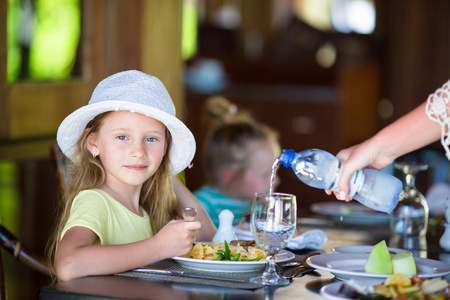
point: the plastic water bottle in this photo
(320, 169)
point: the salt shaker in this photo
(444, 242)
(225, 231)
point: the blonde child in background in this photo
(120, 210)
(237, 159)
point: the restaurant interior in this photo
(325, 74)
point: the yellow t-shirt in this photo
(112, 222)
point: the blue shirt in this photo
(214, 202)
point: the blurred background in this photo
(324, 73)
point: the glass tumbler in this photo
(409, 220)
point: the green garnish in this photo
(226, 255)
(255, 259)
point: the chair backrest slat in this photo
(12, 245)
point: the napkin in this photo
(311, 239)
(243, 232)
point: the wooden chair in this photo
(2, 279)
(12, 245)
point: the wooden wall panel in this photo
(3, 81)
(161, 47)
(418, 49)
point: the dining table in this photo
(340, 230)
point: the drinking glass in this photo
(409, 220)
(273, 223)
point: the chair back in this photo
(13, 246)
(2, 280)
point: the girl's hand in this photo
(177, 237)
(186, 199)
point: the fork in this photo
(302, 269)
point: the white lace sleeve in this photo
(438, 110)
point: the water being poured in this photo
(275, 166)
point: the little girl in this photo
(120, 211)
(238, 157)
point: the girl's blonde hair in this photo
(157, 196)
(232, 139)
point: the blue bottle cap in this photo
(286, 157)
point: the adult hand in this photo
(365, 155)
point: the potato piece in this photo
(407, 289)
(383, 290)
(398, 279)
(393, 291)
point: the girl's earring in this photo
(94, 154)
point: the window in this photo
(42, 38)
(344, 16)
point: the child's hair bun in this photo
(219, 110)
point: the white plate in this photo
(349, 212)
(230, 266)
(363, 249)
(331, 291)
(351, 265)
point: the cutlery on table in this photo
(184, 274)
(302, 269)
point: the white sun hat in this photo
(132, 91)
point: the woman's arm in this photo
(185, 198)
(411, 132)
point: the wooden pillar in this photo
(161, 46)
(4, 116)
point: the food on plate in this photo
(435, 285)
(379, 261)
(398, 286)
(404, 263)
(238, 250)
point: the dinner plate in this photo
(351, 265)
(349, 212)
(331, 291)
(230, 266)
(363, 249)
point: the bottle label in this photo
(356, 182)
(334, 186)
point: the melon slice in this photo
(379, 261)
(404, 263)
